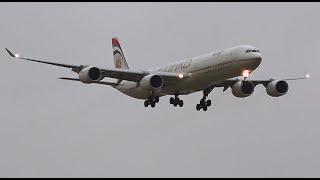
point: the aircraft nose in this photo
(256, 60)
(255, 56)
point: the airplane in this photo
(217, 69)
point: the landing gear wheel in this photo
(175, 103)
(205, 108)
(156, 99)
(198, 107)
(146, 103)
(171, 100)
(208, 103)
(152, 100)
(180, 103)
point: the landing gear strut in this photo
(204, 104)
(176, 101)
(152, 100)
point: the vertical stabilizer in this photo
(119, 59)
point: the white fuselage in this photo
(202, 70)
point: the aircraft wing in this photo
(136, 75)
(229, 82)
(99, 82)
(121, 74)
(73, 67)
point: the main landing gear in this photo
(204, 104)
(151, 101)
(176, 101)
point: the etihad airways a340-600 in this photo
(202, 73)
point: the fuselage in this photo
(202, 71)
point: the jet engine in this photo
(90, 74)
(277, 88)
(151, 82)
(242, 89)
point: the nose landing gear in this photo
(204, 104)
(176, 101)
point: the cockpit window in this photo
(252, 50)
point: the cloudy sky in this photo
(55, 128)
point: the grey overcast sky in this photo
(54, 128)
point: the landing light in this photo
(307, 75)
(246, 73)
(17, 55)
(180, 76)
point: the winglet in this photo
(10, 53)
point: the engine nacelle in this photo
(242, 89)
(151, 82)
(277, 88)
(90, 74)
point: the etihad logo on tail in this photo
(119, 59)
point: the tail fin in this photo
(119, 59)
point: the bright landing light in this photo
(17, 55)
(245, 73)
(307, 75)
(180, 76)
